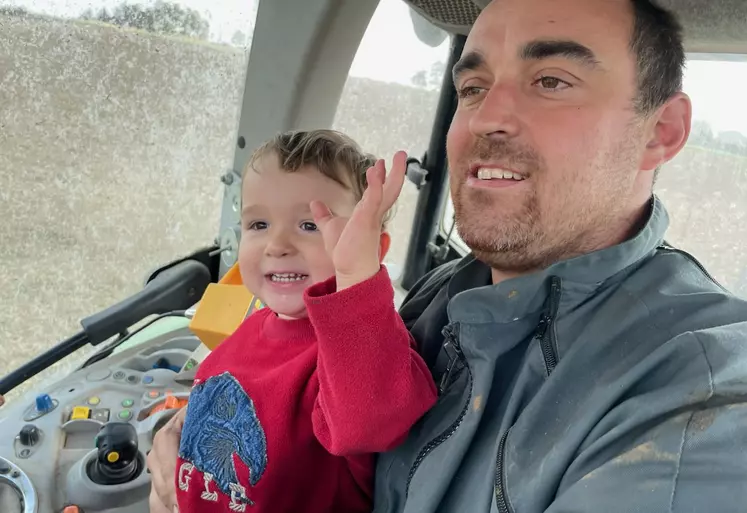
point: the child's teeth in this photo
(287, 277)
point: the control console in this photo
(80, 445)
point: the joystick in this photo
(118, 459)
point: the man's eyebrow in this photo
(544, 49)
(469, 61)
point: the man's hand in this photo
(354, 243)
(162, 464)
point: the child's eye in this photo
(308, 226)
(256, 225)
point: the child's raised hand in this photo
(354, 243)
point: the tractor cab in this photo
(124, 130)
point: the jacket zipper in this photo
(501, 501)
(545, 331)
(546, 336)
(672, 249)
(451, 333)
(454, 353)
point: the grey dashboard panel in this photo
(51, 472)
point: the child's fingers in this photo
(395, 180)
(374, 190)
(321, 213)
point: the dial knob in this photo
(29, 435)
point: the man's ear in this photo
(384, 243)
(669, 132)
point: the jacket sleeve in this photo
(692, 458)
(373, 385)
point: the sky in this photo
(391, 52)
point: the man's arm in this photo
(694, 461)
(688, 456)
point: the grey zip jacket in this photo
(612, 382)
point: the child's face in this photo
(282, 251)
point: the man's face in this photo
(545, 147)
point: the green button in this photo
(125, 414)
(127, 403)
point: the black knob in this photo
(29, 435)
(117, 459)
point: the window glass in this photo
(705, 186)
(389, 101)
(118, 119)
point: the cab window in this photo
(117, 121)
(389, 102)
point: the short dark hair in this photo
(660, 55)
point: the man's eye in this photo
(468, 92)
(552, 83)
(308, 226)
(256, 225)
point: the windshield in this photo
(118, 119)
(116, 124)
(705, 186)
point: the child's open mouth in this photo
(287, 277)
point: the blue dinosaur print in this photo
(221, 420)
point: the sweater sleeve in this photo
(373, 385)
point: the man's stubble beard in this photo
(526, 241)
(506, 246)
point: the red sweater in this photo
(285, 415)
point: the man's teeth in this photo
(486, 173)
(287, 277)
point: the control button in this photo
(147, 380)
(132, 379)
(101, 415)
(93, 401)
(112, 457)
(44, 403)
(4, 467)
(128, 403)
(29, 435)
(154, 394)
(80, 413)
(119, 375)
(98, 375)
(125, 415)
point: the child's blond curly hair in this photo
(333, 153)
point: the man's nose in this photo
(497, 116)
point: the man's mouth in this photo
(496, 173)
(286, 277)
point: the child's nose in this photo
(279, 245)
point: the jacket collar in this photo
(474, 299)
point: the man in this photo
(583, 364)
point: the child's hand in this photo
(354, 244)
